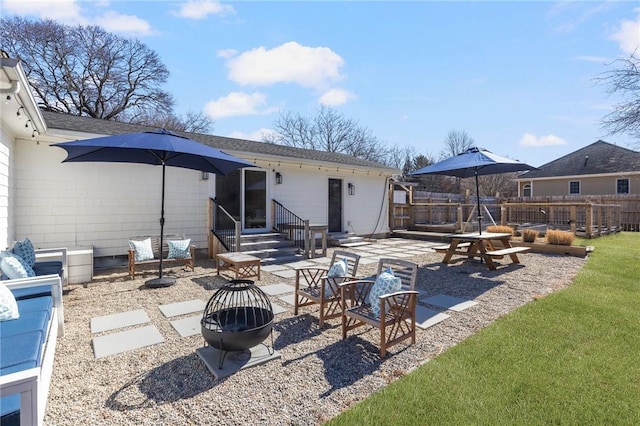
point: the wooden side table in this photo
(244, 265)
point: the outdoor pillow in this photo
(25, 250)
(385, 283)
(179, 249)
(143, 250)
(8, 305)
(13, 266)
(338, 269)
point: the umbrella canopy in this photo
(160, 147)
(474, 162)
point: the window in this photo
(526, 190)
(622, 186)
(574, 187)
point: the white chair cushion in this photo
(8, 305)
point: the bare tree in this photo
(84, 70)
(503, 184)
(624, 81)
(456, 142)
(328, 131)
(193, 122)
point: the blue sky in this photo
(518, 77)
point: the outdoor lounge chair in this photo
(397, 313)
(314, 286)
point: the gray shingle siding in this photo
(598, 158)
(76, 123)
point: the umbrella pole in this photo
(161, 281)
(478, 198)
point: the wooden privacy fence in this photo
(591, 217)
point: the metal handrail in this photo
(290, 225)
(226, 228)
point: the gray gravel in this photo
(318, 376)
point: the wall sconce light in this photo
(204, 176)
(352, 189)
(18, 113)
(278, 178)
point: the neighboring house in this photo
(104, 204)
(597, 169)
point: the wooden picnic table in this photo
(482, 246)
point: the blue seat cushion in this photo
(10, 410)
(48, 267)
(29, 292)
(44, 303)
(20, 352)
(29, 321)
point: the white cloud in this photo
(116, 23)
(291, 62)
(628, 35)
(336, 97)
(69, 12)
(588, 58)
(257, 135)
(227, 53)
(63, 11)
(529, 139)
(204, 8)
(238, 103)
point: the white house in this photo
(104, 204)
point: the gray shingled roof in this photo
(76, 123)
(597, 158)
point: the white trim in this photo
(574, 177)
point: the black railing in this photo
(290, 225)
(226, 228)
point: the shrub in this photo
(501, 229)
(561, 238)
(529, 235)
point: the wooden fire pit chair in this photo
(395, 308)
(313, 286)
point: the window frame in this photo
(618, 180)
(579, 187)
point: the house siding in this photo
(7, 233)
(589, 185)
(103, 204)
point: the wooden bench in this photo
(155, 247)
(507, 251)
(244, 265)
(444, 248)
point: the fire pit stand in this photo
(238, 317)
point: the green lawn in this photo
(572, 357)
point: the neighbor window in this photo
(526, 190)
(574, 187)
(622, 186)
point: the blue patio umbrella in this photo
(474, 162)
(160, 147)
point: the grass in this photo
(572, 357)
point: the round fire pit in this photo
(238, 317)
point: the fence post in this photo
(572, 218)
(503, 214)
(460, 218)
(589, 221)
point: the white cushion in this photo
(179, 249)
(8, 305)
(13, 266)
(143, 250)
(385, 283)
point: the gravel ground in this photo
(318, 375)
